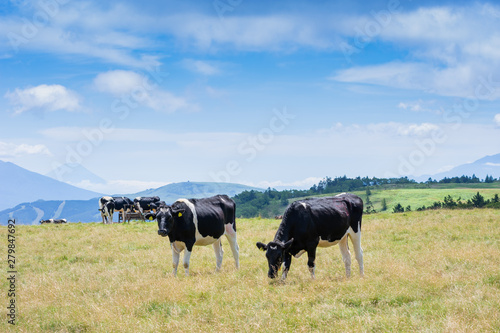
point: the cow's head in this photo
(275, 252)
(164, 218)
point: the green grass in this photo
(418, 197)
(431, 271)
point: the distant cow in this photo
(190, 222)
(278, 217)
(146, 203)
(315, 222)
(107, 208)
(122, 205)
(56, 221)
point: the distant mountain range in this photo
(74, 174)
(489, 165)
(19, 185)
(87, 210)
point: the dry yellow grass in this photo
(433, 271)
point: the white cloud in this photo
(496, 119)
(388, 129)
(15, 150)
(254, 33)
(454, 50)
(141, 89)
(201, 67)
(119, 82)
(461, 80)
(44, 97)
(420, 106)
(80, 28)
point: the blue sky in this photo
(263, 94)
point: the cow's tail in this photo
(231, 213)
(230, 226)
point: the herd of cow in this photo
(306, 225)
(123, 205)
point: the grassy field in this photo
(422, 197)
(432, 271)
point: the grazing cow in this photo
(122, 205)
(56, 221)
(146, 203)
(278, 217)
(315, 222)
(107, 208)
(190, 222)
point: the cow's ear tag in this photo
(180, 214)
(151, 218)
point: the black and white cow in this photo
(122, 205)
(316, 222)
(190, 222)
(107, 208)
(146, 203)
(56, 221)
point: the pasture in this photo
(433, 271)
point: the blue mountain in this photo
(486, 166)
(19, 185)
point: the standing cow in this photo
(315, 222)
(190, 222)
(107, 208)
(146, 203)
(122, 205)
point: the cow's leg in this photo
(231, 237)
(218, 254)
(286, 265)
(311, 258)
(175, 260)
(346, 255)
(358, 251)
(106, 216)
(187, 256)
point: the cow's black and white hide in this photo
(190, 222)
(107, 208)
(316, 222)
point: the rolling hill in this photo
(171, 192)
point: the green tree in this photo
(495, 198)
(478, 200)
(449, 202)
(398, 208)
(384, 205)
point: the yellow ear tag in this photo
(180, 214)
(151, 218)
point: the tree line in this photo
(477, 201)
(272, 202)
